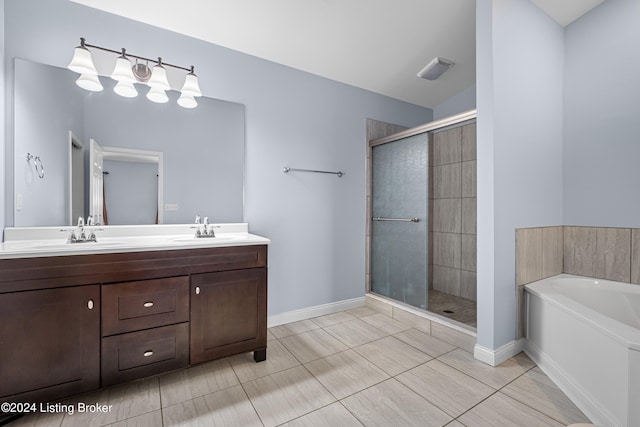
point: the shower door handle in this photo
(379, 218)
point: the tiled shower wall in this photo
(599, 252)
(452, 211)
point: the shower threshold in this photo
(437, 325)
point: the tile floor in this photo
(453, 307)
(353, 368)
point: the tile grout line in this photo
(252, 405)
(525, 403)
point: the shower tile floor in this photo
(456, 308)
(353, 368)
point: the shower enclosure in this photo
(399, 220)
(422, 217)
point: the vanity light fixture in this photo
(123, 74)
(126, 75)
(189, 91)
(158, 84)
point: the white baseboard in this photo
(315, 311)
(578, 395)
(496, 357)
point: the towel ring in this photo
(37, 163)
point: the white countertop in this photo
(29, 242)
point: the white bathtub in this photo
(584, 334)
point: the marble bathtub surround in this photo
(538, 253)
(600, 252)
(604, 253)
(635, 255)
(452, 211)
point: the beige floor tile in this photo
(150, 419)
(331, 415)
(446, 387)
(332, 319)
(270, 336)
(293, 328)
(455, 423)
(377, 305)
(346, 373)
(278, 359)
(229, 408)
(196, 381)
(413, 320)
(501, 410)
(392, 355)
(392, 404)
(125, 401)
(496, 377)
(385, 323)
(535, 389)
(454, 337)
(362, 311)
(286, 395)
(426, 343)
(313, 345)
(355, 332)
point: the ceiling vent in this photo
(435, 68)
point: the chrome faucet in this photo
(206, 231)
(79, 235)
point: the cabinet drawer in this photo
(131, 306)
(139, 354)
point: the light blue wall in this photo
(130, 192)
(602, 117)
(458, 103)
(316, 222)
(519, 147)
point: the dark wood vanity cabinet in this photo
(228, 314)
(70, 324)
(49, 343)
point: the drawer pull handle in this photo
(148, 353)
(90, 304)
(148, 304)
(197, 290)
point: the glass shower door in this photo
(399, 220)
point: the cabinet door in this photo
(228, 313)
(49, 343)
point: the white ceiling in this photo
(566, 11)
(378, 45)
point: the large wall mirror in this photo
(202, 152)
